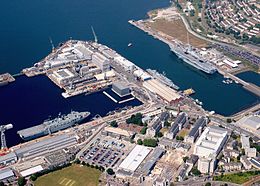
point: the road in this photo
(232, 127)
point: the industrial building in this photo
(196, 130)
(127, 65)
(176, 125)
(121, 89)
(63, 75)
(208, 147)
(250, 123)
(152, 159)
(46, 146)
(135, 158)
(166, 93)
(7, 174)
(101, 61)
(117, 133)
(8, 158)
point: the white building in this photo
(63, 75)
(135, 158)
(101, 61)
(208, 147)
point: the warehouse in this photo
(63, 75)
(165, 92)
(101, 62)
(135, 158)
(8, 158)
(120, 88)
(152, 159)
(6, 174)
(250, 123)
(46, 146)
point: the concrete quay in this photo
(248, 86)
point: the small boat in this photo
(129, 44)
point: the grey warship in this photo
(192, 58)
(54, 125)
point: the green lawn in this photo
(74, 175)
(238, 178)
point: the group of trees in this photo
(113, 124)
(135, 119)
(150, 142)
(110, 171)
(179, 138)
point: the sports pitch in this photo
(74, 175)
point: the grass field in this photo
(177, 30)
(183, 132)
(238, 178)
(74, 175)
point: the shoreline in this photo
(252, 88)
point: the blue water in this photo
(25, 28)
(250, 76)
(35, 99)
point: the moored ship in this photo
(54, 125)
(192, 58)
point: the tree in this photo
(167, 124)
(33, 177)
(185, 158)
(77, 161)
(114, 124)
(192, 13)
(21, 181)
(143, 130)
(199, 19)
(139, 142)
(159, 135)
(150, 142)
(229, 120)
(208, 184)
(195, 171)
(110, 171)
(179, 138)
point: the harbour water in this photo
(251, 77)
(24, 33)
(29, 101)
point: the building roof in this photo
(157, 153)
(210, 142)
(6, 173)
(135, 158)
(250, 122)
(201, 122)
(31, 171)
(120, 85)
(8, 157)
(118, 131)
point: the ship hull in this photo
(192, 61)
(43, 129)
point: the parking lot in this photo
(106, 152)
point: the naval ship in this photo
(162, 78)
(193, 58)
(54, 125)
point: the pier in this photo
(248, 86)
(6, 79)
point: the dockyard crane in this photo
(3, 128)
(95, 36)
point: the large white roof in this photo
(135, 158)
(31, 171)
